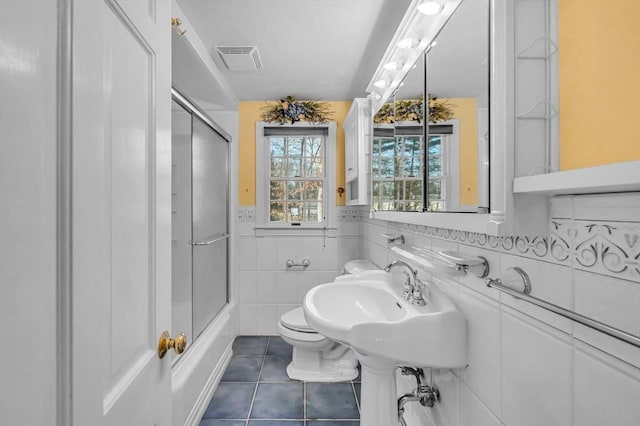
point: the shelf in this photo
(619, 177)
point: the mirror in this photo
(442, 166)
(398, 170)
(457, 83)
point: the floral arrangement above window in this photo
(291, 110)
(411, 110)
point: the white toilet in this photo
(315, 357)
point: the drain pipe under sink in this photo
(427, 395)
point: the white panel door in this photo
(121, 211)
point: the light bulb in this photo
(407, 43)
(380, 84)
(430, 8)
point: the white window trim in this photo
(263, 225)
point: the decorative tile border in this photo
(608, 248)
(351, 214)
(247, 214)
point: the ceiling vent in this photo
(240, 58)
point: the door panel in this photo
(120, 230)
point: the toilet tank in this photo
(358, 265)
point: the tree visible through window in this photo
(296, 176)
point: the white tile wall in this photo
(526, 366)
(607, 391)
(267, 288)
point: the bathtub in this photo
(196, 375)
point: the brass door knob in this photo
(166, 342)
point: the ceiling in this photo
(311, 49)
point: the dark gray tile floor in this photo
(256, 391)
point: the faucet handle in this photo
(417, 296)
(406, 287)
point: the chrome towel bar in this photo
(211, 241)
(581, 319)
(305, 262)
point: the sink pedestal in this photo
(378, 400)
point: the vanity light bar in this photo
(414, 34)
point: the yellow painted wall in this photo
(599, 81)
(466, 111)
(250, 113)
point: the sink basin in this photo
(367, 312)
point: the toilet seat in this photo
(294, 320)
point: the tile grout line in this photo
(255, 391)
(304, 403)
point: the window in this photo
(295, 175)
(397, 168)
(436, 175)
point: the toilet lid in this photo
(359, 265)
(295, 320)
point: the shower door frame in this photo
(192, 108)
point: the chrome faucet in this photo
(412, 288)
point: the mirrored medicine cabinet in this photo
(502, 184)
(433, 156)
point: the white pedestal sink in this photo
(367, 313)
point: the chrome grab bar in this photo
(305, 262)
(211, 241)
(581, 319)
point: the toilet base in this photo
(310, 366)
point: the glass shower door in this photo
(210, 158)
(199, 204)
(181, 249)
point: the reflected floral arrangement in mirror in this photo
(291, 110)
(412, 110)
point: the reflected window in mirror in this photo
(441, 149)
(383, 168)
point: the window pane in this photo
(276, 212)
(387, 189)
(295, 212)
(435, 189)
(313, 190)
(399, 189)
(313, 212)
(313, 147)
(386, 148)
(412, 145)
(277, 146)
(277, 190)
(412, 167)
(387, 168)
(313, 167)
(277, 167)
(435, 145)
(294, 167)
(295, 190)
(435, 166)
(294, 146)
(414, 190)
(414, 206)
